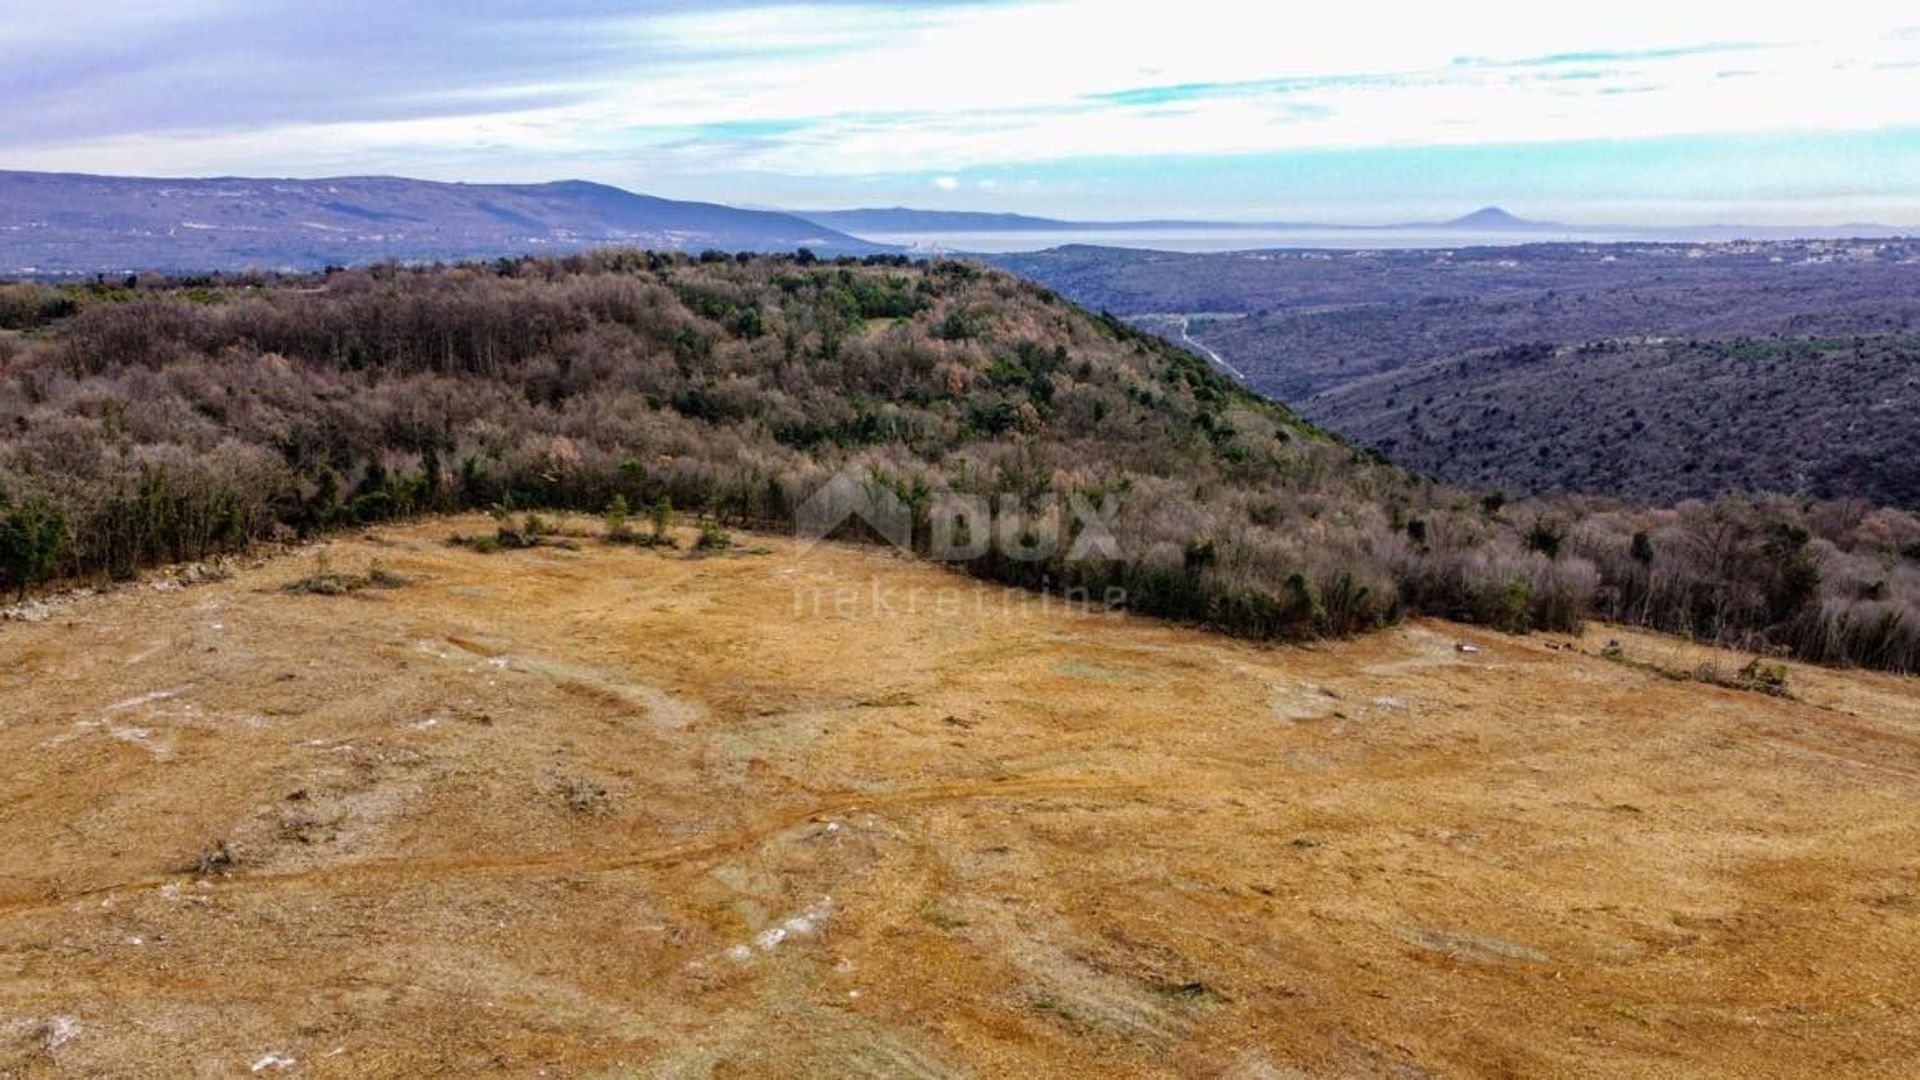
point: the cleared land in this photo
(629, 813)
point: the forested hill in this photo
(180, 418)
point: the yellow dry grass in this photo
(621, 812)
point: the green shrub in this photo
(1641, 548)
(712, 538)
(663, 522)
(1546, 537)
(1764, 677)
(619, 529)
(30, 542)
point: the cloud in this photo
(687, 96)
(947, 183)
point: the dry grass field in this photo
(618, 812)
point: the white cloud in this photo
(866, 88)
(947, 183)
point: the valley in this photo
(1397, 351)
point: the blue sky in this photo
(1635, 112)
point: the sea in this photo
(1251, 238)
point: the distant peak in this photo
(1490, 217)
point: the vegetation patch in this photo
(1758, 675)
(712, 538)
(216, 859)
(326, 581)
(530, 531)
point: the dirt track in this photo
(626, 813)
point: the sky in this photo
(1629, 111)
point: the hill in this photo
(63, 224)
(613, 811)
(983, 420)
(1492, 217)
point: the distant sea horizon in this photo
(1203, 240)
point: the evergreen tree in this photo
(30, 540)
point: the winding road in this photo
(1186, 320)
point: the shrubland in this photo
(1655, 421)
(160, 420)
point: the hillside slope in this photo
(625, 812)
(1661, 421)
(65, 224)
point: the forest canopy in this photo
(158, 420)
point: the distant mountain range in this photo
(898, 223)
(56, 223)
(63, 224)
(899, 219)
